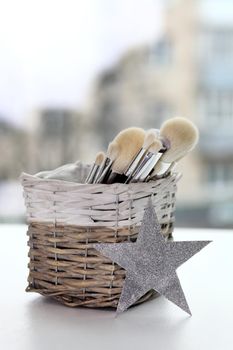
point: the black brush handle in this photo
(115, 177)
(105, 175)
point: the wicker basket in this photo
(66, 218)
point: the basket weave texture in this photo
(66, 218)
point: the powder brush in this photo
(179, 137)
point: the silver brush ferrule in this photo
(133, 165)
(149, 166)
(101, 169)
(90, 174)
(142, 166)
(105, 170)
(93, 173)
(164, 168)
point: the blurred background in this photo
(74, 73)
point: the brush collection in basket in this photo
(66, 218)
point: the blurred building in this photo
(55, 138)
(188, 72)
(14, 151)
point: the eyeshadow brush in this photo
(95, 167)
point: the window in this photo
(161, 52)
(55, 122)
(216, 45)
(216, 108)
(220, 173)
(157, 112)
(107, 120)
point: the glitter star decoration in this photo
(151, 263)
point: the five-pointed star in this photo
(151, 263)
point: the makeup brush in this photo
(150, 137)
(130, 142)
(148, 163)
(102, 166)
(162, 169)
(95, 167)
(179, 136)
(105, 167)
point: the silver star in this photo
(151, 263)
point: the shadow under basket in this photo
(66, 218)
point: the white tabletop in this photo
(30, 321)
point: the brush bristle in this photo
(129, 142)
(150, 137)
(99, 158)
(113, 150)
(182, 136)
(156, 146)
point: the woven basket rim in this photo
(25, 176)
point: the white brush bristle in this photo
(150, 138)
(129, 142)
(113, 150)
(156, 146)
(99, 158)
(182, 136)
